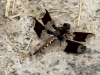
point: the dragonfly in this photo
(73, 46)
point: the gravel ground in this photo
(18, 39)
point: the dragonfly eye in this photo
(66, 26)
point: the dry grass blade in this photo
(13, 6)
(79, 16)
(6, 72)
(11, 17)
(63, 11)
(29, 43)
(7, 8)
(14, 45)
(91, 26)
(59, 11)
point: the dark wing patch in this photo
(80, 36)
(54, 27)
(74, 47)
(49, 32)
(46, 18)
(38, 28)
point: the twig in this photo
(80, 9)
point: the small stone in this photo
(75, 59)
(38, 8)
(89, 57)
(2, 73)
(97, 67)
(42, 62)
(83, 61)
(1, 45)
(95, 51)
(72, 65)
(57, 62)
(28, 38)
(70, 73)
(15, 34)
(80, 70)
(13, 73)
(48, 71)
(36, 74)
(88, 50)
(84, 28)
(17, 18)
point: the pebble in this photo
(36, 74)
(95, 51)
(2, 73)
(13, 73)
(15, 34)
(97, 67)
(1, 45)
(88, 50)
(57, 62)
